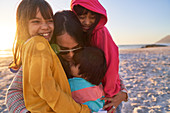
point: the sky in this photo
(129, 21)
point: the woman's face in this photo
(41, 26)
(87, 20)
(67, 46)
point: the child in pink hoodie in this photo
(93, 18)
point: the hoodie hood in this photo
(92, 5)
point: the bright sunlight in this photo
(7, 37)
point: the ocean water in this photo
(135, 46)
(5, 53)
(8, 53)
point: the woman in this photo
(41, 67)
(69, 48)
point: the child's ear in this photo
(83, 77)
(78, 66)
(75, 70)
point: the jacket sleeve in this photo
(104, 41)
(14, 97)
(48, 84)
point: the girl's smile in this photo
(41, 26)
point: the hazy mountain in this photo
(164, 40)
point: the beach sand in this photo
(146, 74)
(5, 79)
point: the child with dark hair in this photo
(92, 64)
(88, 70)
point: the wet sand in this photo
(146, 74)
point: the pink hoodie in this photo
(102, 39)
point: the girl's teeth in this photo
(46, 34)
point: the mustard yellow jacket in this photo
(45, 85)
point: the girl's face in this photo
(87, 20)
(41, 26)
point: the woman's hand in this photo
(114, 101)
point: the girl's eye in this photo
(51, 21)
(92, 17)
(35, 21)
(81, 17)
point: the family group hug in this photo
(64, 62)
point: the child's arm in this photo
(14, 97)
(123, 88)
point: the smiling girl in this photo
(45, 85)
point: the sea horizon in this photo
(8, 52)
(136, 46)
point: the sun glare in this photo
(7, 38)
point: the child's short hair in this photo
(92, 64)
